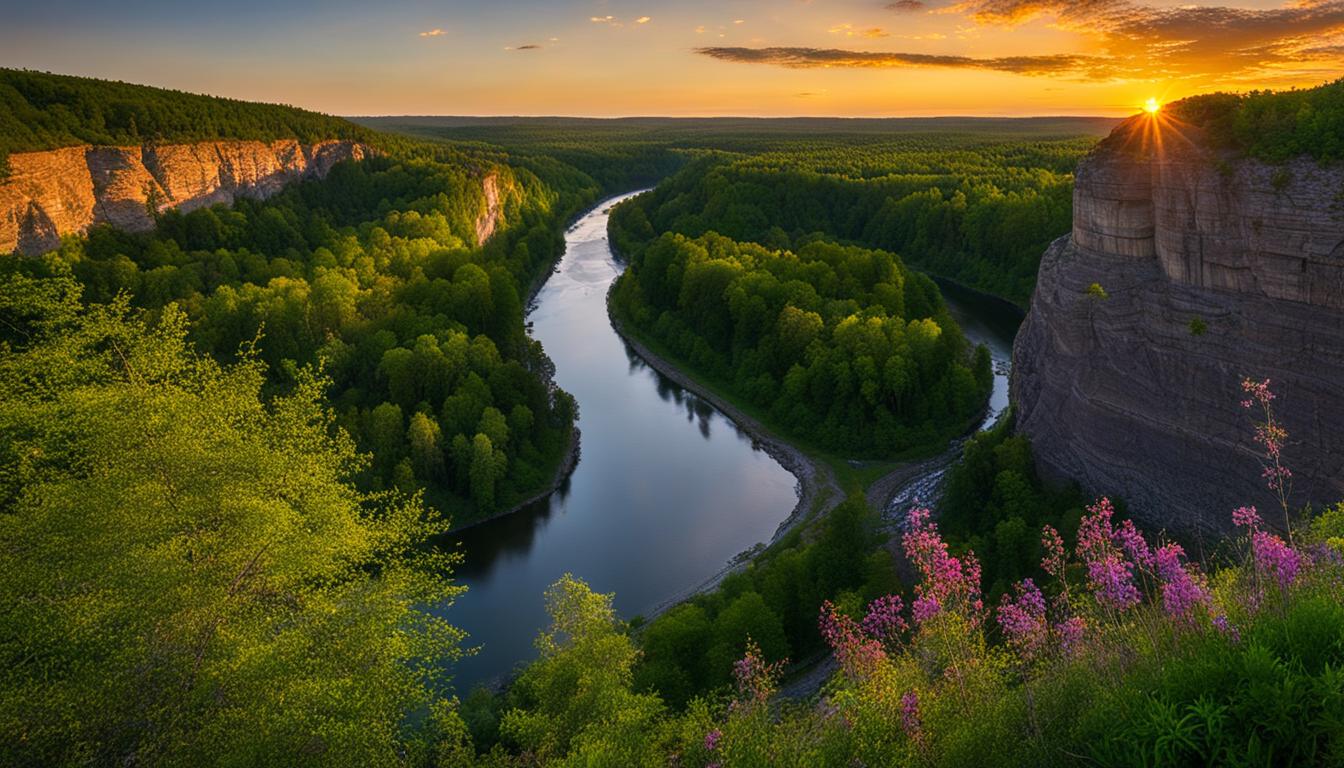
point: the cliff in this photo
(65, 191)
(1214, 267)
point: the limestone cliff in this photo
(1213, 268)
(65, 191)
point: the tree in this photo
(487, 467)
(189, 576)
(579, 690)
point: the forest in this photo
(840, 344)
(232, 444)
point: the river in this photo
(667, 489)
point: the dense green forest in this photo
(39, 110)
(971, 208)
(841, 345)
(375, 274)
(1270, 125)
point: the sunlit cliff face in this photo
(693, 57)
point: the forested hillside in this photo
(39, 111)
(844, 347)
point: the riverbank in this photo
(568, 462)
(817, 484)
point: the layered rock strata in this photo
(1187, 269)
(65, 191)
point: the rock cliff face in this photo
(64, 191)
(1214, 268)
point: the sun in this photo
(1152, 106)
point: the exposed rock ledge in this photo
(65, 191)
(1124, 393)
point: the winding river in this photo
(667, 489)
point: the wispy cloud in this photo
(848, 30)
(643, 20)
(906, 6)
(811, 58)
(435, 32)
(602, 19)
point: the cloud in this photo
(643, 20)
(528, 47)
(1125, 40)
(848, 30)
(1183, 41)
(435, 32)
(739, 21)
(602, 19)
(811, 58)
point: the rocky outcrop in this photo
(489, 218)
(1212, 268)
(65, 191)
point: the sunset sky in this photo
(730, 57)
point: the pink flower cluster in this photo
(1184, 589)
(755, 678)
(947, 583)
(857, 651)
(1273, 556)
(1022, 619)
(1104, 549)
(883, 620)
(910, 721)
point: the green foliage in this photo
(189, 575)
(689, 650)
(994, 504)
(44, 111)
(970, 207)
(1198, 327)
(1097, 292)
(1273, 126)
(843, 346)
(579, 708)
(374, 274)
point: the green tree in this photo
(189, 577)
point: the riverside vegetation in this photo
(229, 440)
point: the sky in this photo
(610, 58)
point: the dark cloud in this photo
(906, 6)
(808, 58)
(528, 47)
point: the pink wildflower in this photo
(910, 721)
(1275, 557)
(1070, 633)
(858, 654)
(1182, 589)
(1022, 619)
(1246, 517)
(712, 739)
(1109, 574)
(755, 678)
(883, 620)
(1055, 560)
(947, 583)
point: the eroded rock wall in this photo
(1214, 268)
(65, 191)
